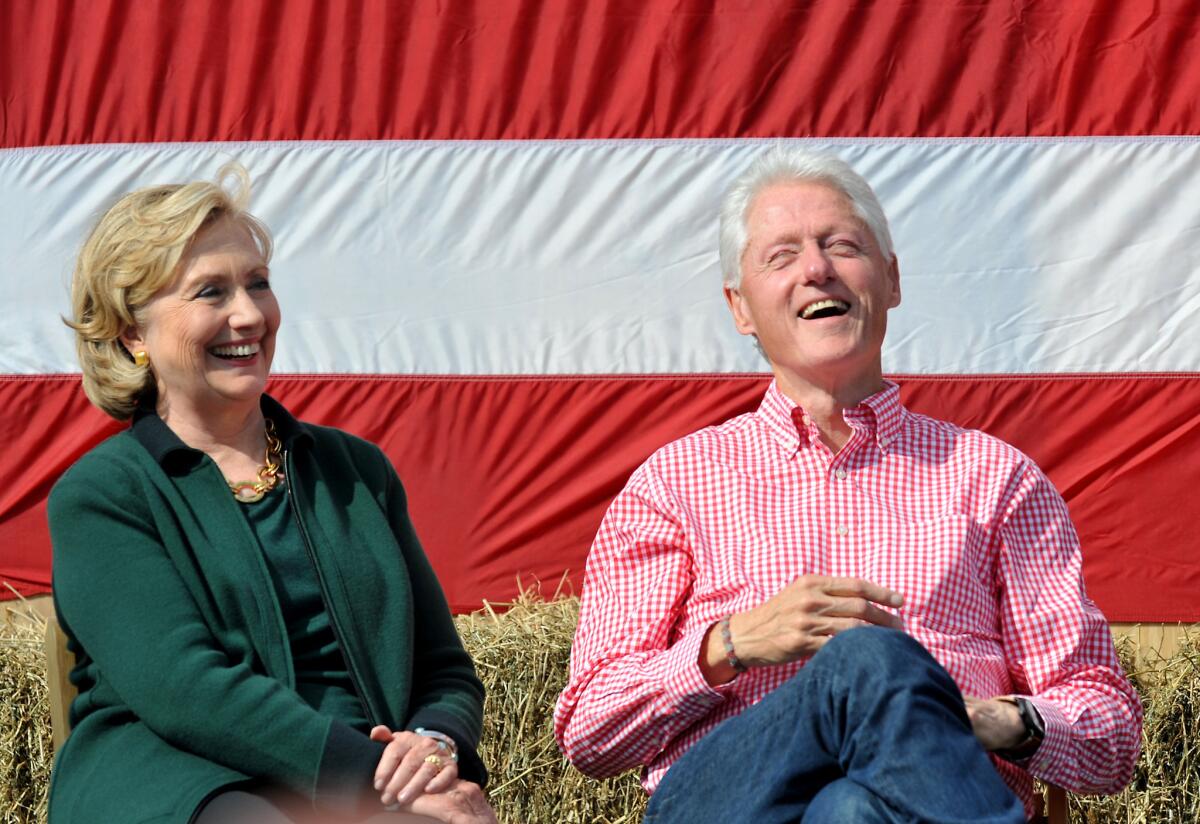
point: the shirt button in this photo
(840, 474)
(884, 442)
(841, 530)
(805, 420)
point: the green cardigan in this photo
(183, 665)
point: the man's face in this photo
(815, 287)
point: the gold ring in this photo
(435, 760)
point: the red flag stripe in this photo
(513, 482)
(111, 71)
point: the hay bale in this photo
(521, 655)
(25, 749)
(1166, 781)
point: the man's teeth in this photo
(243, 350)
(841, 306)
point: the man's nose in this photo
(815, 266)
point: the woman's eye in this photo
(209, 292)
(260, 284)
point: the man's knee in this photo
(871, 650)
(845, 801)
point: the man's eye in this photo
(843, 247)
(781, 258)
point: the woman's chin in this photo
(238, 388)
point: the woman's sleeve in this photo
(447, 695)
(123, 600)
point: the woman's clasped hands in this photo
(419, 774)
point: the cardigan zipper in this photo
(334, 624)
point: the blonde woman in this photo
(258, 635)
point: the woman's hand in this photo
(404, 775)
(463, 803)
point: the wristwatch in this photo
(1035, 730)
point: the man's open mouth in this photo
(828, 308)
(241, 351)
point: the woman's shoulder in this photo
(332, 446)
(105, 463)
(327, 438)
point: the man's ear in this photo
(894, 277)
(741, 315)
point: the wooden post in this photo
(60, 691)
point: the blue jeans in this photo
(872, 729)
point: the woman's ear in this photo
(132, 339)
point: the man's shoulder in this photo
(720, 442)
(941, 437)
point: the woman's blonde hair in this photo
(133, 252)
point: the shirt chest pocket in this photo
(942, 568)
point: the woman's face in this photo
(210, 333)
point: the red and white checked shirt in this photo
(966, 527)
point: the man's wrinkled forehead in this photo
(777, 204)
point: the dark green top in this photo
(186, 677)
(321, 675)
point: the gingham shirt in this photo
(967, 528)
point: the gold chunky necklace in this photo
(248, 492)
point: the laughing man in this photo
(832, 608)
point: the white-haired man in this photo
(832, 608)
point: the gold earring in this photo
(140, 358)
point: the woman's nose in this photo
(246, 311)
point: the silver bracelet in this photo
(444, 741)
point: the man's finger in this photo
(863, 610)
(860, 588)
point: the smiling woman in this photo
(210, 333)
(134, 254)
(211, 563)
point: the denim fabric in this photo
(872, 729)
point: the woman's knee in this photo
(241, 807)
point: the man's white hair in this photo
(781, 164)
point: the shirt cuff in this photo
(686, 687)
(1057, 742)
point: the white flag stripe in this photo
(599, 257)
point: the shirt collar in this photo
(881, 414)
(170, 452)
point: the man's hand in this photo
(797, 621)
(997, 724)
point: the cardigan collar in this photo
(170, 452)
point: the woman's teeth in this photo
(243, 350)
